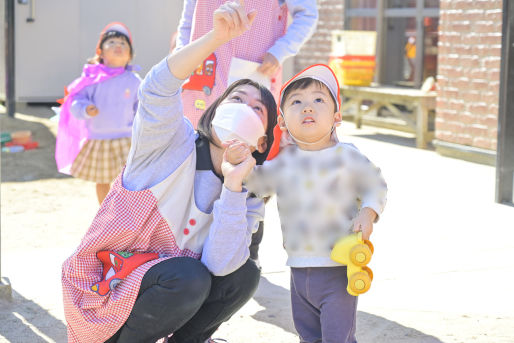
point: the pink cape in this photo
(72, 133)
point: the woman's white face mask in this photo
(238, 121)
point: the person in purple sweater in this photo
(96, 117)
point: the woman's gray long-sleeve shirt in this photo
(162, 139)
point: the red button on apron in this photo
(186, 231)
(192, 221)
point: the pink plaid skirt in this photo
(101, 160)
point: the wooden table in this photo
(421, 101)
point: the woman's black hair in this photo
(205, 127)
(111, 34)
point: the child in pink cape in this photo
(95, 124)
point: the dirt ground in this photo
(44, 215)
(32, 185)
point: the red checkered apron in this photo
(269, 25)
(162, 219)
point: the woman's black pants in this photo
(180, 295)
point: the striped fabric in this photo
(101, 160)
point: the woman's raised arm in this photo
(161, 138)
(230, 20)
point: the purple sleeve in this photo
(80, 101)
(185, 25)
(305, 19)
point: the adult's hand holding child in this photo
(234, 174)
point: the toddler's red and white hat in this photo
(320, 72)
(115, 26)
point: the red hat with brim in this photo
(115, 26)
(320, 72)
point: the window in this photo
(401, 3)
(407, 37)
(363, 23)
(431, 38)
(432, 3)
(362, 4)
(400, 52)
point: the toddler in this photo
(325, 190)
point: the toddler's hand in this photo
(92, 110)
(236, 151)
(364, 222)
(231, 20)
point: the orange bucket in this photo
(21, 137)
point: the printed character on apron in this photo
(203, 78)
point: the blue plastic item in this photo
(12, 149)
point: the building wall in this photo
(469, 55)
(468, 78)
(2, 52)
(317, 49)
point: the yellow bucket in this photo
(353, 70)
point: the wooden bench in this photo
(421, 101)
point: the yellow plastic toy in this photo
(355, 253)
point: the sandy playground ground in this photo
(443, 264)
